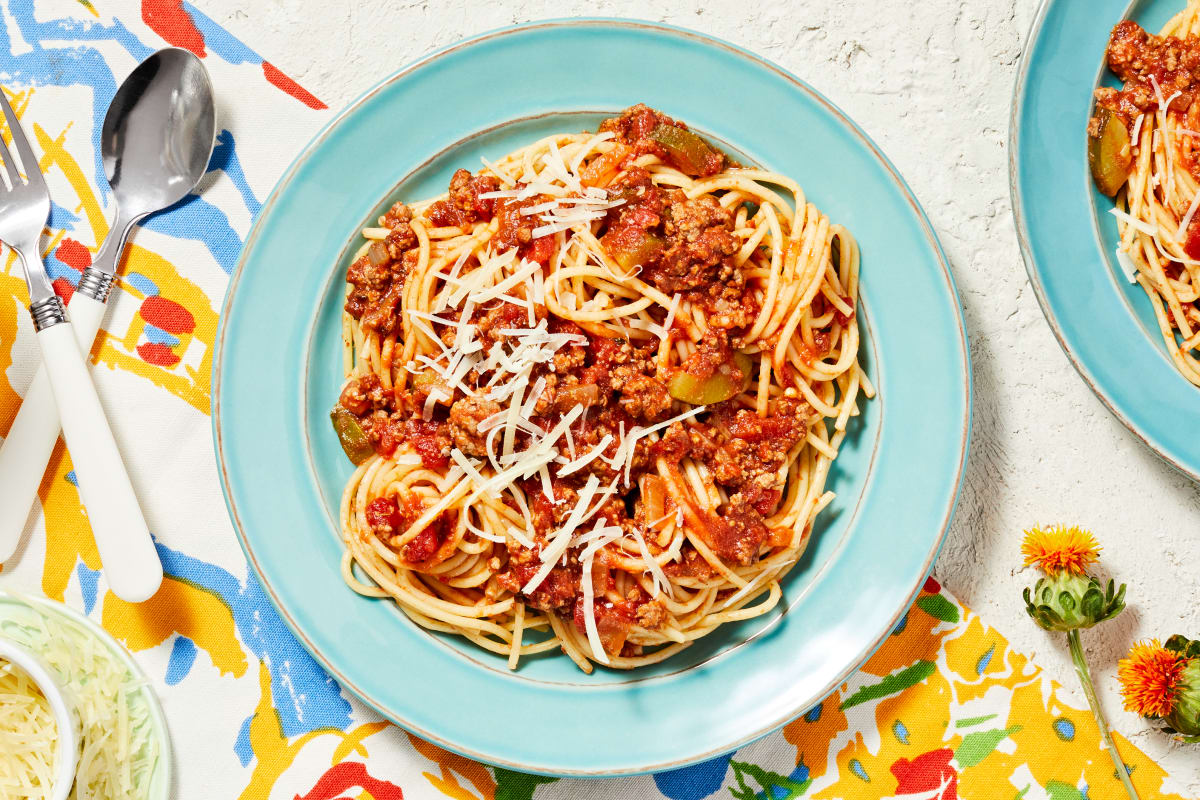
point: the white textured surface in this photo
(931, 83)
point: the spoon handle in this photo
(131, 563)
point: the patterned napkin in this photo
(944, 709)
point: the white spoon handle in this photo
(131, 563)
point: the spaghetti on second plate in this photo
(594, 392)
(1144, 149)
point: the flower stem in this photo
(1085, 678)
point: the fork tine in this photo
(10, 165)
(33, 173)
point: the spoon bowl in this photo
(159, 132)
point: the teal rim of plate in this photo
(161, 782)
(277, 499)
(1104, 324)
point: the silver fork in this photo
(131, 563)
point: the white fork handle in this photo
(131, 563)
(30, 442)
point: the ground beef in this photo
(465, 191)
(466, 416)
(645, 398)
(1136, 57)
(395, 215)
(377, 278)
(700, 236)
(636, 123)
(652, 615)
(690, 565)
(365, 394)
(556, 593)
(464, 205)
(757, 446)
(515, 228)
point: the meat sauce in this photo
(1153, 69)
(683, 246)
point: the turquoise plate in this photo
(277, 372)
(1104, 323)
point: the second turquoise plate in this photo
(1104, 323)
(277, 372)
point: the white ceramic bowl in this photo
(66, 757)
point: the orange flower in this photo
(1150, 679)
(1060, 549)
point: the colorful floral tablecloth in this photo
(944, 709)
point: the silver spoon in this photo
(156, 142)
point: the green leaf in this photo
(512, 785)
(969, 721)
(1092, 606)
(938, 607)
(1067, 601)
(767, 781)
(977, 746)
(892, 684)
(1057, 790)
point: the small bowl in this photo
(66, 757)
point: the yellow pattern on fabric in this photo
(54, 153)
(68, 534)
(449, 763)
(178, 607)
(12, 289)
(190, 384)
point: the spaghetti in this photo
(1143, 146)
(594, 392)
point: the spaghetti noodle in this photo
(594, 392)
(1145, 139)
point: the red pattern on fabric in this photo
(932, 586)
(64, 289)
(73, 254)
(283, 82)
(157, 354)
(927, 773)
(171, 21)
(167, 315)
(348, 775)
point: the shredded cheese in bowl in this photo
(119, 750)
(28, 735)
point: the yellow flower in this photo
(1151, 677)
(1060, 549)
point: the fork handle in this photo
(30, 442)
(131, 562)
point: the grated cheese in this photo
(1127, 265)
(599, 537)
(1141, 225)
(587, 458)
(28, 736)
(661, 584)
(1137, 129)
(118, 753)
(1187, 220)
